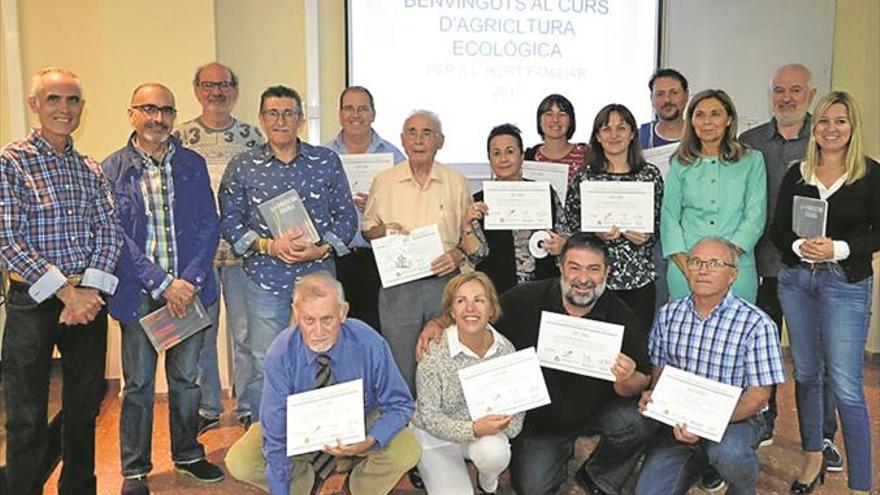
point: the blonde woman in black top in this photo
(825, 285)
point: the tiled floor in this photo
(779, 462)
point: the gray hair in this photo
(317, 285)
(792, 66)
(199, 70)
(37, 80)
(734, 250)
(433, 117)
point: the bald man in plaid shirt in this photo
(717, 335)
(59, 241)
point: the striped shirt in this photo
(57, 218)
(157, 187)
(737, 344)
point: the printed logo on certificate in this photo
(579, 345)
(705, 406)
(625, 205)
(504, 385)
(520, 205)
(403, 258)
(325, 416)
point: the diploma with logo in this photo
(324, 416)
(504, 385)
(360, 169)
(517, 205)
(404, 258)
(578, 345)
(703, 405)
(625, 205)
(554, 173)
(287, 211)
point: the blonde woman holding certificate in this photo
(442, 422)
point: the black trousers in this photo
(359, 276)
(31, 332)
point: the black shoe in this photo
(201, 470)
(586, 481)
(206, 424)
(245, 421)
(799, 488)
(135, 486)
(833, 459)
(415, 477)
(711, 481)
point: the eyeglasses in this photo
(357, 109)
(152, 110)
(221, 85)
(712, 265)
(286, 115)
(426, 134)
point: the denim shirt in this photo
(256, 176)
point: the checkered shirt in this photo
(56, 212)
(737, 344)
(157, 186)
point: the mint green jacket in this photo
(714, 198)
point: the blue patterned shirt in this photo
(256, 176)
(377, 145)
(737, 344)
(57, 218)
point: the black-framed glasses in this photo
(275, 114)
(152, 110)
(712, 265)
(221, 85)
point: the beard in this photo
(585, 300)
(674, 116)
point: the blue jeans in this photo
(267, 315)
(768, 301)
(136, 419)
(671, 467)
(828, 326)
(538, 461)
(31, 332)
(233, 283)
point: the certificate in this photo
(660, 156)
(360, 169)
(625, 205)
(325, 416)
(703, 405)
(505, 385)
(809, 216)
(554, 173)
(520, 205)
(404, 258)
(578, 345)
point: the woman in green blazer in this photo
(716, 187)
